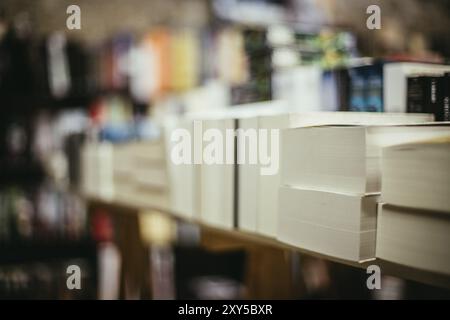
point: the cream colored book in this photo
(184, 177)
(417, 175)
(344, 159)
(217, 180)
(414, 238)
(98, 170)
(248, 178)
(268, 184)
(334, 224)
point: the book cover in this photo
(366, 88)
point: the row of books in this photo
(133, 172)
(356, 192)
(324, 198)
(45, 281)
(374, 86)
(40, 168)
(44, 214)
(163, 61)
(302, 88)
(169, 60)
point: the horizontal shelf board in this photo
(387, 268)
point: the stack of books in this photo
(330, 185)
(141, 168)
(133, 173)
(414, 219)
(258, 203)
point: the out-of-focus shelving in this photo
(40, 251)
(215, 238)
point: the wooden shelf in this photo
(239, 236)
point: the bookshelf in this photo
(216, 239)
(307, 64)
(26, 251)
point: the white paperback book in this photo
(140, 174)
(98, 170)
(414, 238)
(248, 177)
(334, 224)
(183, 173)
(344, 159)
(300, 85)
(309, 119)
(417, 175)
(268, 184)
(217, 180)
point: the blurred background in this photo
(131, 66)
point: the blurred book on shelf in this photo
(346, 158)
(414, 222)
(409, 171)
(334, 224)
(413, 238)
(429, 94)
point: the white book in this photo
(184, 177)
(417, 175)
(308, 119)
(145, 197)
(414, 238)
(98, 170)
(268, 184)
(344, 159)
(299, 86)
(395, 81)
(124, 182)
(140, 174)
(248, 178)
(217, 180)
(333, 224)
(145, 153)
(152, 177)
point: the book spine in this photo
(374, 102)
(357, 90)
(433, 94)
(443, 107)
(343, 89)
(366, 89)
(415, 95)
